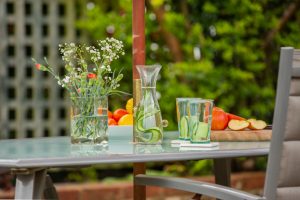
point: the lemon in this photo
(129, 106)
(126, 120)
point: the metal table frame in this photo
(31, 168)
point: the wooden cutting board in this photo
(240, 136)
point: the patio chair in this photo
(283, 178)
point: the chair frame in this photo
(286, 72)
(280, 115)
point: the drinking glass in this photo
(200, 116)
(183, 117)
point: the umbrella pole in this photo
(138, 53)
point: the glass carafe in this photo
(147, 116)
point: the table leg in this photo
(139, 191)
(222, 169)
(30, 185)
(49, 190)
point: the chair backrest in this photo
(283, 170)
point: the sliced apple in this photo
(256, 124)
(251, 120)
(238, 125)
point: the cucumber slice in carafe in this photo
(154, 133)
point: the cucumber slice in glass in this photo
(184, 127)
(201, 132)
(194, 129)
(193, 123)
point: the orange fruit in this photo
(126, 120)
(112, 122)
(109, 114)
(119, 113)
(129, 106)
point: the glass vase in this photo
(89, 121)
(148, 128)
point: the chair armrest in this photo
(208, 189)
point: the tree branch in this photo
(287, 14)
(185, 12)
(170, 38)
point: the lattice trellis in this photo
(31, 103)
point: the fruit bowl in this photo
(123, 133)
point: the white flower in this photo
(66, 79)
(77, 59)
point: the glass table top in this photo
(58, 151)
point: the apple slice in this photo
(251, 120)
(256, 124)
(238, 125)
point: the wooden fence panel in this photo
(31, 102)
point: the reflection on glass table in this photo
(58, 151)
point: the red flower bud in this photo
(38, 66)
(91, 75)
(78, 90)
